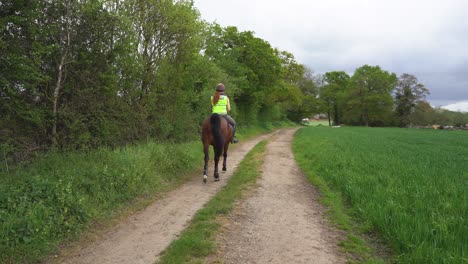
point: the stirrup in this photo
(234, 140)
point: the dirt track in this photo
(142, 237)
(281, 222)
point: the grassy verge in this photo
(197, 241)
(406, 186)
(58, 197)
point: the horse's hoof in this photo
(204, 178)
(216, 179)
(224, 169)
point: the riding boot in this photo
(234, 139)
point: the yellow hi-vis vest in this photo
(221, 106)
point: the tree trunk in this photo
(59, 83)
(57, 89)
(336, 120)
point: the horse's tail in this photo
(215, 121)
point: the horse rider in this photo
(221, 106)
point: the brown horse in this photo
(217, 132)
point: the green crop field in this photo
(408, 186)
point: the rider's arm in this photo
(228, 105)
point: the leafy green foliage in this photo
(369, 97)
(424, 115)
(79, 75)
(84, 74)
(253, 69)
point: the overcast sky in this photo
(422, 37)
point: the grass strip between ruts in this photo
(197, 241)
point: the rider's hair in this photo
(216, 97)
(217, 94)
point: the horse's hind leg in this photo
(216, 173)
(225, 156)
(205, 169)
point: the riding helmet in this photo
(220, 87)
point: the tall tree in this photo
(423, 114)
(286, 95)
(333, 92)
(408, 93)
(252, 64)
(171, 43)
(21, 103)
(309, 86)
(166, 34)
(291, 71)
(67, 23)
(369, 99)
(87, 43)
